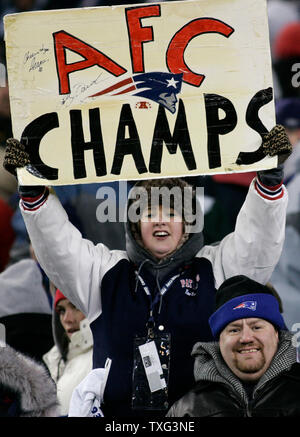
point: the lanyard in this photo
(157, 296)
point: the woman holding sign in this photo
(148, 306)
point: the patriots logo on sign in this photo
(160, 87)
(249, 304)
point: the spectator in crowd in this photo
(251, 369)
(163, 286)
(287, 59)
(25, 309)
(70, 359)
(26, 389)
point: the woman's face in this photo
(70, 316)
(161, 231)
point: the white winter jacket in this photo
(69, 374)
(77, 266)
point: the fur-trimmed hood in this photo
(34, 389)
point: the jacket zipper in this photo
(248, 409)
(259, 394)
(240, 401)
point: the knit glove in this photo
(16, 157)
(275, 142)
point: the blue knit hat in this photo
(239, 298)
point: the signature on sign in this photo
(77, 92)
(35, 60)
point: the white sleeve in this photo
(254, 248)
(74, 264)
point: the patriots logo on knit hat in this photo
(238, 297)
(249, 304)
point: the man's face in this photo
(248, 346)
(161, 231)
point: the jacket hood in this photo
(30, 381)
(141, 257)
(210, 366)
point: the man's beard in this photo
(250, 366)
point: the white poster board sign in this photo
(140, 91)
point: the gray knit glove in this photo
(16, 157)
(275, 142)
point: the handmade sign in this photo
(141, 91)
